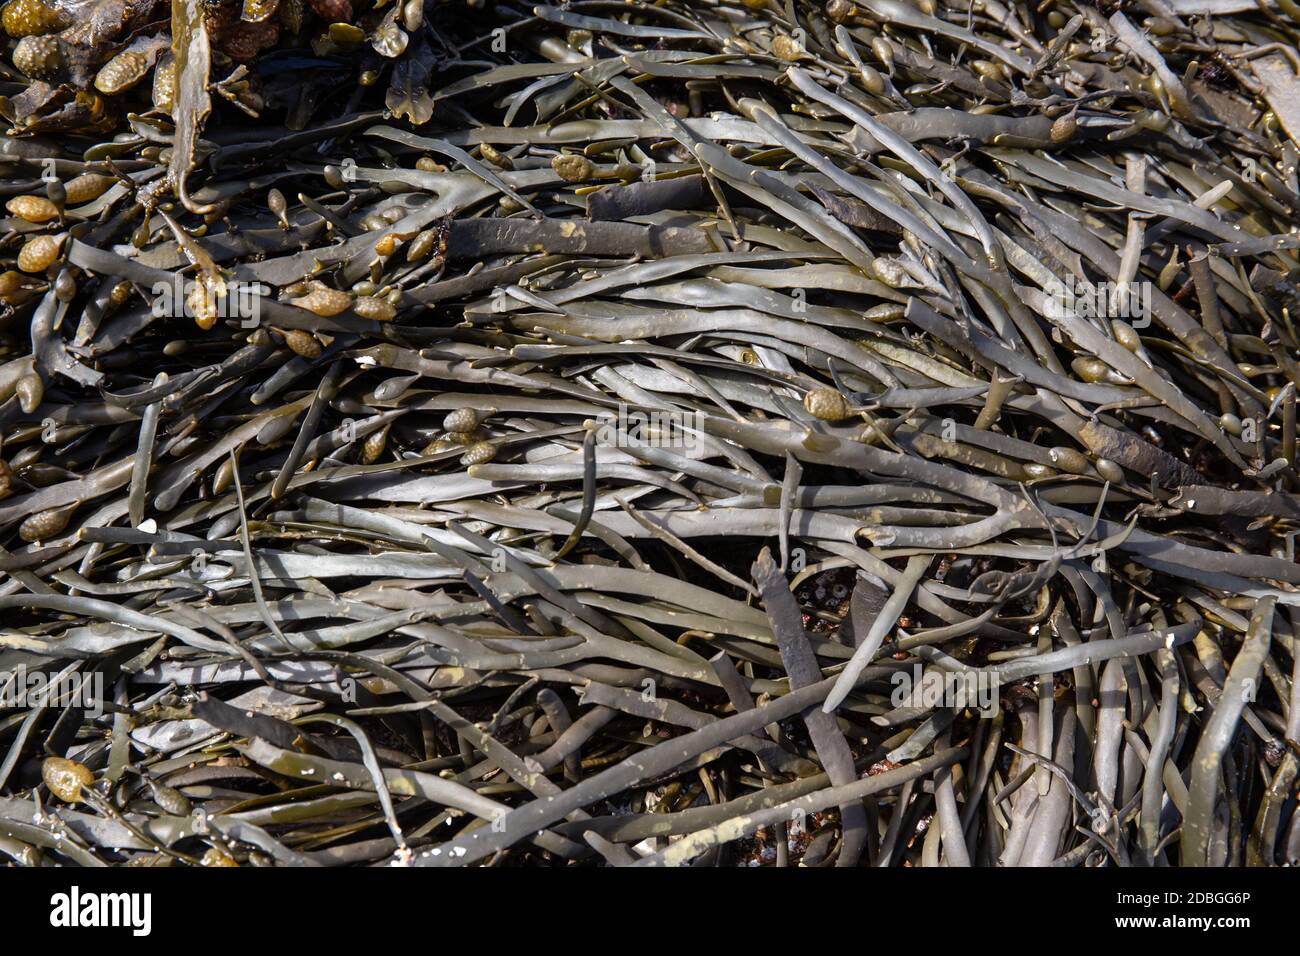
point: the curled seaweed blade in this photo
(192, 52)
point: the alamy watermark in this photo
(75, 909)
(655, 429)
(1103, 300)
(185, 298)
(29, 688)
(976, 689)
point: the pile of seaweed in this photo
(691, 433)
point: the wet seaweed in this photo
(682, 434)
